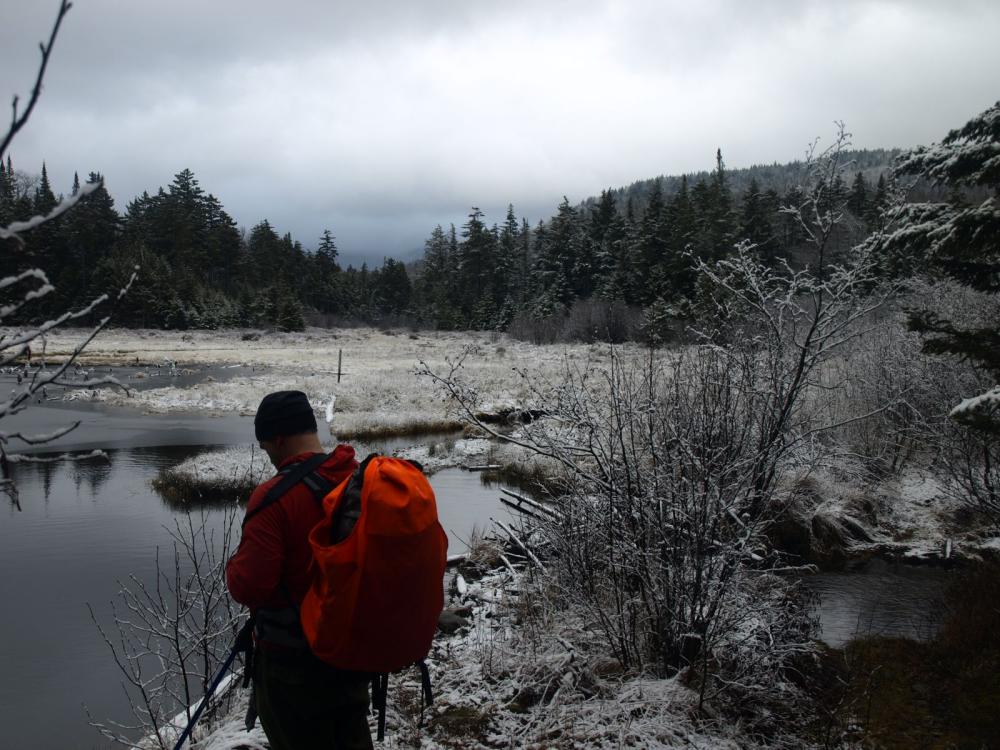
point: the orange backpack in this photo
(377, 588)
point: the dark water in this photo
(86, 525)
(877, 597)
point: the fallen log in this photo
(521, 499)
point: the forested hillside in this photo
(632, 249)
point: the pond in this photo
(878, 597)
(85, 526)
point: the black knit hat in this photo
(283, 413)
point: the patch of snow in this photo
(984, 402)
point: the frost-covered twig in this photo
(19, 121)
(14, 230)
(13, 347)
(172, 636)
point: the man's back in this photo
(271, 566)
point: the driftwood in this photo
(483, 467)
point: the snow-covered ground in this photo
(379, 391)
(497, 685)
(242, 468)
(911, 517)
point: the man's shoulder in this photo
(261, 490)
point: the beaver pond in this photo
(85, 526)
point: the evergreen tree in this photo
(857, 198)
(755, 223)
(92, 229)
(653, 248)
(392, 288)
(434, 283)
(264, 255)
(877, 204)
(612, 256)
(960, 241)
(45, 244)
(524, 282)
(477, 256)
(562, 261)
(322, 287)
(504, 277)
(713, 205)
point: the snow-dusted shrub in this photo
(882, 393)
(670, 463)
(169, 639)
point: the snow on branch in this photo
(12, 231)
(19, 121)
(978, 406)
(39, 439)
(32, 294)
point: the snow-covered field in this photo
(379, 391)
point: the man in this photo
(302, 702)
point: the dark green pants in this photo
(303, 704)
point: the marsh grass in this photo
(183, 492)
(384, 431)
(214, 478)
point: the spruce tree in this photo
(653, 246)
(857, 198)
(962, 242)
(756, 223)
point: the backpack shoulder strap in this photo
(292, 476)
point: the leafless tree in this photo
(20, 291)
(170, 638)
(671, 461)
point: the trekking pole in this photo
(243, 642)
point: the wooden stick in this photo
(519, 543)
(552, 512)
(505, 561)
(520, 509)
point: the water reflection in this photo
(877, 597)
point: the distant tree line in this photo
(630, 249)
(198, 270)
(637, 247)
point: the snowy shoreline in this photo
(380, 395)
(518, 668)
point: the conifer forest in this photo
(629, 249)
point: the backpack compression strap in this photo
(292, 476)
(380, 693)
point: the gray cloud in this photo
(381, 119)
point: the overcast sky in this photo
(381, 118)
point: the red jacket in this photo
(274, 554)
